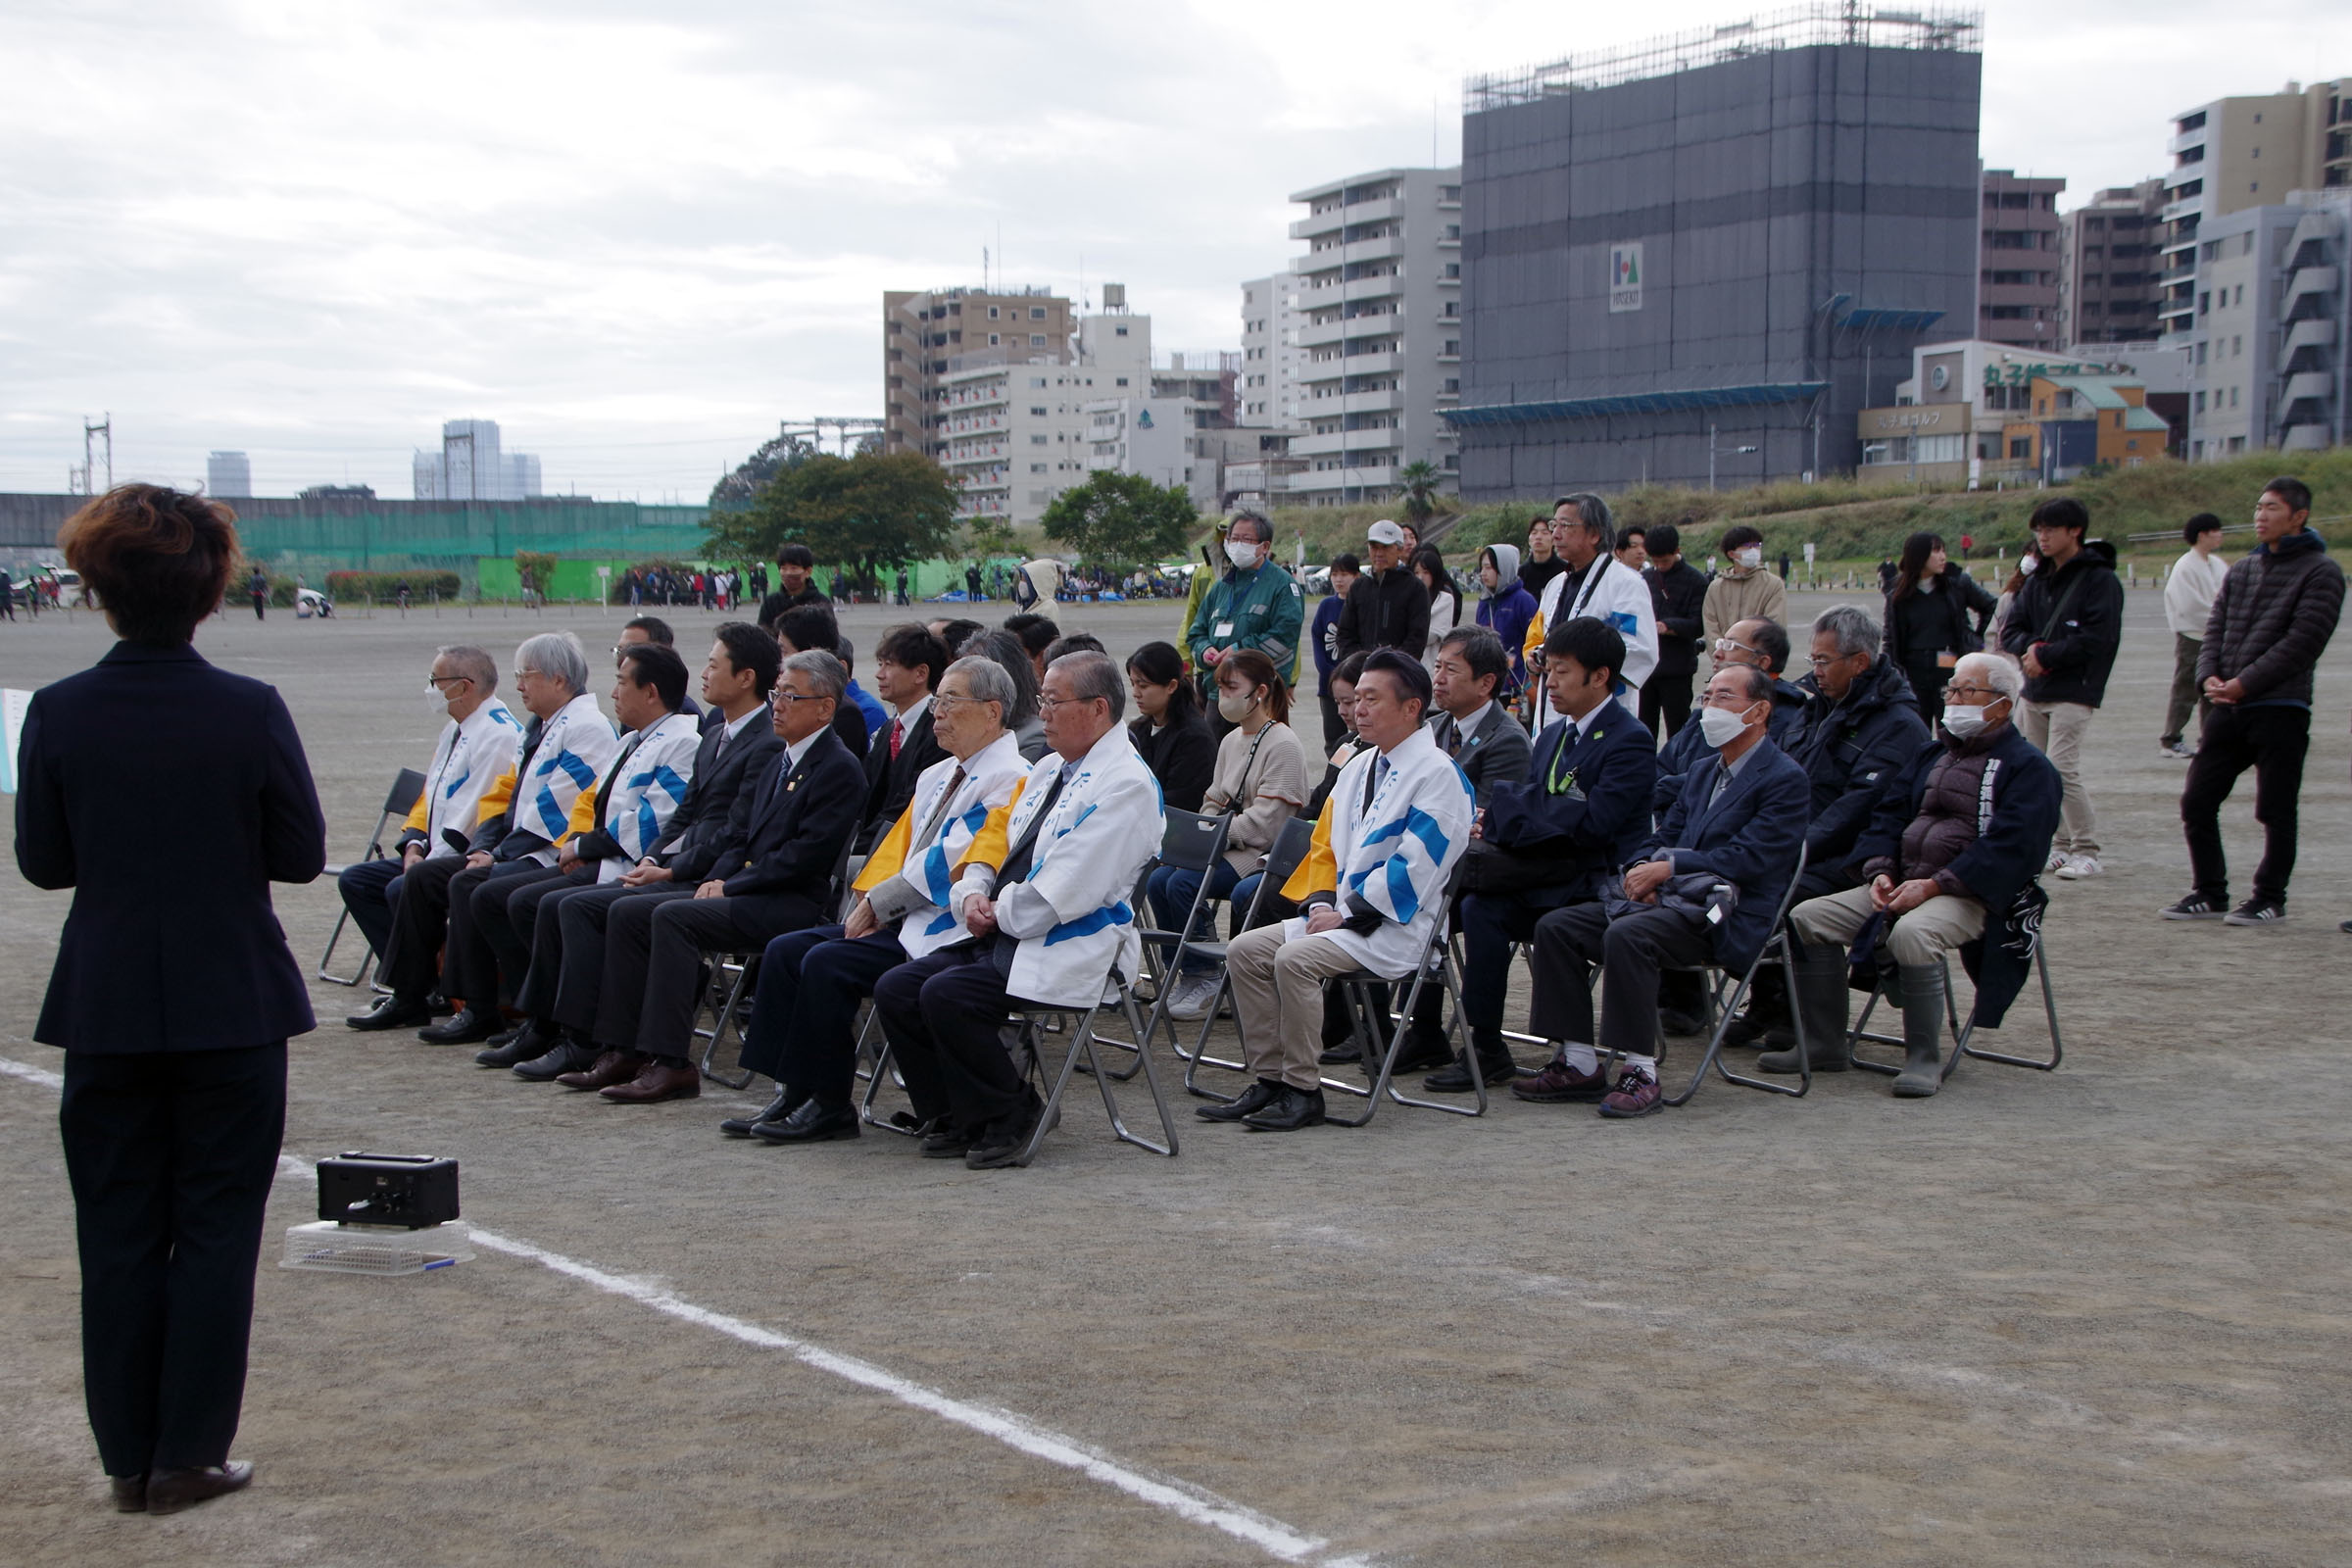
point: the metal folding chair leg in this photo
(729, 1019)
(1082, 1040)
(1721, 1011)
(871, 1037)
(343, 918)
(2049, 1007)
(1400, 1023)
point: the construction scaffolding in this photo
(1827, 23)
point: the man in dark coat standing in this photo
(1679, 591)
(2065, 627)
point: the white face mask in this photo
(1751, 556)
(1721, 726)
(1242, 553)
(2027, 563)
(1965, 723)
(1233, 707)
(435, 703)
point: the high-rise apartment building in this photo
(228, 475)
(2018, 261)
(1271, 357)
(1015, 434)
(937, 333)
(2270, 343)
(2111, 266)
(471, 465)
(2236, 153)
(1708, 253)
(1380, 331)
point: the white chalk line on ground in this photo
(1194, 1505)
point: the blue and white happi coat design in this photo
(575, 747)
(652, 784)
(1399, 855)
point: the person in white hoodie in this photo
(2189, 594)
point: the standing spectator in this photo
(903, 598)
(172, 995)
(1927, 627)
(1887, 571)
(1542, 563)
(258, 585)
(971, 583)
(2189, 594)
(2064, 628)
(1678, 594)
(1633, 547)
(1256, 606)
(2027, 565)
(1744, 590)
(1389, 608)
(794, 564)
(1323, 634)
(1596, 585)
(1444, 601)
(1505, 607)
(1168, 730)
(2269, 624)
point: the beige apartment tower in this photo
(937, 333)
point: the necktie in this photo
(1016, 865)
(603, 791)
(1373, 780)
(1454, 736)
(938, 813)
(898, 733)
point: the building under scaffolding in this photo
(1700, 257)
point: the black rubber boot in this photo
(1820, 1006)
(1923, 1032)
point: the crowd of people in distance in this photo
(1538, 772)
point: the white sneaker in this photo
(1194, 995)
(2079, 866)
(2058, 859)
(2177, 750)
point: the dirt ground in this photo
(2089, 1317)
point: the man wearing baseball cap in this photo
(1387, 608)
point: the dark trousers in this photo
(170, 1156)
(367, 890)
(419, 922)
(542, 975)
(1666, 700)
(1928, 678)
(1490, 922)
(943, 1017)
(2187, 694)
(588, 997)
(804, 1031)
(654, 954)
(468, 962)
(1631, 951)
(2272, 741)
(505, 915)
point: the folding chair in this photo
(1283, 858)
(1720, 1009)
(1364, 1023)
(1190, 842)
(1083, 1041)
(727, 991)
(399, 802)
(1963, 1033)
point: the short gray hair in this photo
(985, 681)
(474, 664)
(557, 655)
(1590, 511)
(823, 670)
(1265, 526)
(1003, 649)
(2001, 672)
(1093, 676)
(1856, 629)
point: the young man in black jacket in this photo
(2268, 627)
(1679, 591)
(1387, 608)
(2064, 628)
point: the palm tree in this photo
(1417, 488)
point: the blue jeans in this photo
(1171, 890)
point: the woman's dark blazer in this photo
(167, 795)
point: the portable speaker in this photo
(411, 1191)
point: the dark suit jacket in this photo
(890, 785)
(1598, 815)
(718, 802)
(188, 956)
(799, 824)
(1495, 754)
(1750, 839)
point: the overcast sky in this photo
(638, 236)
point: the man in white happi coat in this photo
(1046, 894)
(1370, 892)
(1596, 585)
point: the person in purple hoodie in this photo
(1505, 605)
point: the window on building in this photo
(1037, 312)
(2020, 446)
(994, 339)
(1037, 440)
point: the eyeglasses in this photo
(1819, 663)
(781, 694)
(436, 682)
(1046, 704)
(1725, 645)
(946, 700)
(1985, 692)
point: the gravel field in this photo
(2089, 1317)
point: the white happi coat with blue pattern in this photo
(1398, 855)
(645, 796)
(575, 747)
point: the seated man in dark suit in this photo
(562, 986)
(801, 821)
(909, 662)
(1739, 821)
(1552, 836)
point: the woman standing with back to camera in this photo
(173, 995)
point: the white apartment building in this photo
(1380, 301)
(2234, 154)
(2270, 338)
(228, 475)
(1014, 436)
(471, 465)
(1272, 361)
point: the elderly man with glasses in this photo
(1958, 843)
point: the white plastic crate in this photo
(339, 1248)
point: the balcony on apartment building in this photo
(1355, 215)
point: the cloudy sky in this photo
(640, 235)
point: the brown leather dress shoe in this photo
(129, 1491)
(658, 1081)
(169, 1491)
(612, 1067)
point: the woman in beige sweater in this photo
(1745, 589)
(1260, 784)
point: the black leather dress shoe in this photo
(465, 1029)
(809, 1123)
(1674, 1021)
(566, 1055)
(1257, 1096)
(1421, 1051)
(392, 1012)
(1000, 1142)
(741, 1126)
(130, 1492)
(1341, 1056)
(1454, 1077)
(515, 1046)
(944, 1139)
(1289, 1111)
(169, 1491)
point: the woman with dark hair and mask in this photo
(1169, 729)
(1928, 620)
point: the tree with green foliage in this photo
(739, 489)
(869, 511)
(1121, 520)
(1417, 487)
